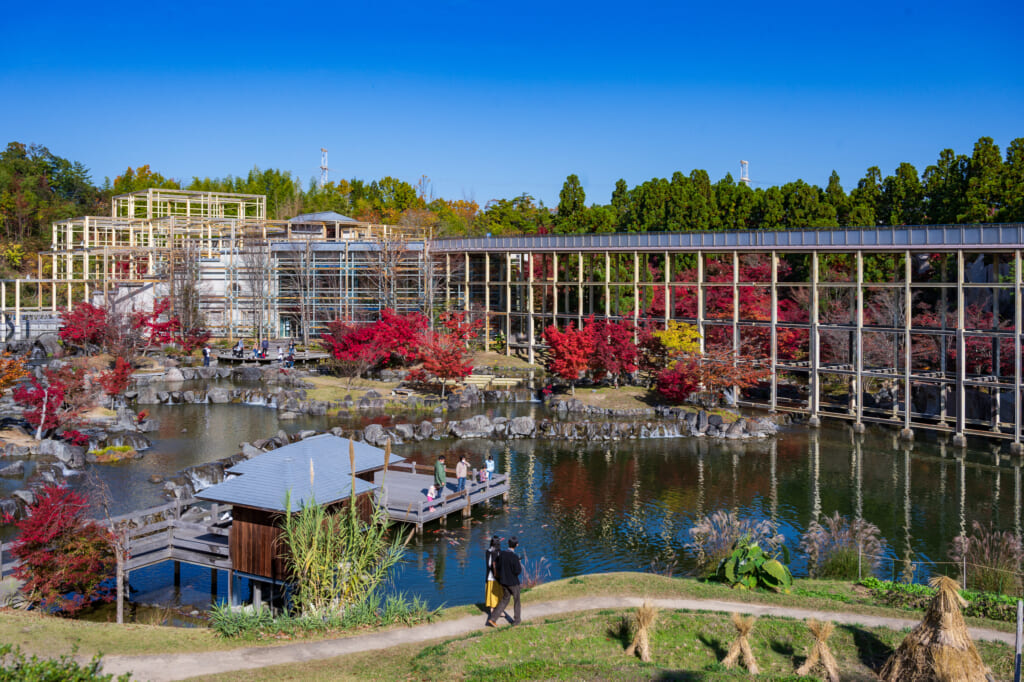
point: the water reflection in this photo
(599, 506)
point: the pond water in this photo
(590, 507)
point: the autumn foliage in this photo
(65, 558)
(58, 399)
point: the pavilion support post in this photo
(773, 349)
(531, 353)
(607, 287)
(231, 587)
(735, 306)
(579, 289)
(668, 297)
(943, 387)
(1015, 446)
(17, 307)
(554, 289)
(256, 588)
(996, 355)
(119, 554)
(700, 300)
(465, 286)
(636, 295)
(177, 574)
(487, 302)
(858, 349)
(907, 433)
(959, 437)
(508, 303)
(213, 585)
(815, 377)
(447, 281)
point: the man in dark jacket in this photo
(507, 574)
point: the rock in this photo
(405, 431)
(337, 431)
(50, 345)
(147, 396)
(521, 427)
(156, 478)
(223, 372)
(26, 496)
(188, 397)
(702, 422)
(715, 420)
(246, 374)
(218, 395)
(250, 450)
(206, 372)
(303, 435)
(71, 456)
(474, 427)
(173, 375)
(424, 430)
(188, 373)
(374, 434)
(287, 414)
(371, 394)
(736, 429)
(16, 470)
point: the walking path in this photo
(160, 667)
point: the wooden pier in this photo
(404, 491)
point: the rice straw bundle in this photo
(644, 620)
(939, 648)
(741, 646)
(820, 653)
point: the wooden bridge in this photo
(405, 487)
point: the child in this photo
(431, 494)
(490, 466)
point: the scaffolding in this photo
(251, 276)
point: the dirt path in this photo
(157, 668)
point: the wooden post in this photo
(774, 341)
(213, 585)
(231, 587)
(907, 433)
(554, 289)
(508, 303)
(1017, 322)
(579, 289)
(858, 351)
(119, 553)
(960, 438)
(815, 377)
(529, 309)
(700, 299)
(487, 302)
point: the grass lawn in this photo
(336, 388)
(631, 397)
(50, 636)
(685, 646)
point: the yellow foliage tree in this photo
(12, 368)
(679, 339)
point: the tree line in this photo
(37, 187)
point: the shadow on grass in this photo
(871, 651)
(621, 631)
(714, 644)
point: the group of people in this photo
(260, 351)
(462, 472)
(503, 569)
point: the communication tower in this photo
(323, 167)
(744, 172)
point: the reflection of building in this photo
(247, 271)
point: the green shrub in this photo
(714, 537)
(748, 567)
(989, 605)
(15, 666)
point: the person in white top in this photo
(461, 471)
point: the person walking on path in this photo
(439, 475)
(461, 471)
(508, 572)
(492, 590)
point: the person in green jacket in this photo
(440, 476)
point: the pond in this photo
(590, 507)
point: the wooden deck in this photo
(404, 491)
(305, 357)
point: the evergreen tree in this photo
(983, 196)
(944, 185)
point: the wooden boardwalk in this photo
(404, 491)
(304, 357)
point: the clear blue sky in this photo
(496, 99)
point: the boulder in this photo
(26, 496)
(247, 373)
(405, 431)
(173, 375)
(206, 372)
(218, 395)
(250, 450)
(147, 396)
(71, 456)
(287, 414)
(50, 345)
(188, 373)
(715, 419)
(474, 427)
(737, 429)
(374, 434)
(702, 422)
(303, 435)
(521, 427)
(16, 470)
(424, 430)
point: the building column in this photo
(668, 290)
(487, 301)
(554, 289)
(1015, 447)
(773, 350)
(508, 303)
(907, 433)
(579, 290)
(700, 299)
(959, 438)
(607, 288)
(530, 334)
(815, 376)
(858, 349)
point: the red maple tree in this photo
(354, 348)
(115, 381)
(64, 557)
(398, 336)
(612, 350)
(83, 326)
(568, 352)
(445, 356)
(57, 400)
(459, 324)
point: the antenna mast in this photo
(323, 167)
(745, 173)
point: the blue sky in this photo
(496, 99)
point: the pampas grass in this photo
(820, 654)
(741, 646)
(646, 615)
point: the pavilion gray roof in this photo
(263, 481)
(323, 217)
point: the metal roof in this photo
(315, 468)
(323, 217)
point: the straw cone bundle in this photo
(820, 654)
(645, 617)
(939, 648)
(741, 646)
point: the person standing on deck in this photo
(489, 465)
(266, 347)
(461, 471)
(439, 475)
(508, 570)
